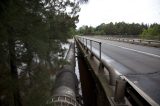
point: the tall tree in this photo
(153, 32)
(32, 32)
(119, 29)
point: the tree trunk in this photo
(13, 69)
(29, 61)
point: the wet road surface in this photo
(140, 64)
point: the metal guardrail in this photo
(130, 86)
(154, 43)
(85, 39)
(112, 73)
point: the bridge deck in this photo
(140, 64)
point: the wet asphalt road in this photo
(140, 64)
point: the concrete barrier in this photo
(123, 86)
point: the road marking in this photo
(150, 54)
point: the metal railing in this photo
(113, 76)
(154, 43)
(84, 41)
(112, 73)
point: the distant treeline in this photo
(123, 29)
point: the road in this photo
(140, 64)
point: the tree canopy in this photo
(120, 28)
(32, 32)
(153, 32)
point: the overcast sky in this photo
(96, 12)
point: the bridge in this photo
(117, 74)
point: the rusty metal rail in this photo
(124, 87)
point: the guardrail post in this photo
(120, 89)
(86, 42)
(149, 42)
(119, 96)
(100, 50)
(91, 49)
(91, 45)
(140, 41)
(100, 65)
(83, 41)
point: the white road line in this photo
(150, 54)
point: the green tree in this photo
(32, 32)
(119, 29)
(153, 32)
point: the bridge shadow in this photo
(89, 90)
